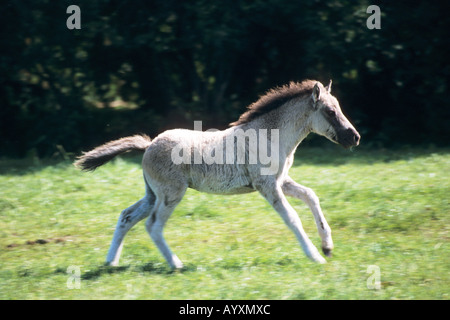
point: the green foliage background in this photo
(146, 66)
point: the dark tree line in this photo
(145, 66)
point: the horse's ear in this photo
(328, 87)
(316, 92)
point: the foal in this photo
(290, 113)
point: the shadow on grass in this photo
(157, 268)
(148, 268)
(97, 272)
(102, 270)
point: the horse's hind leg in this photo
(164, 206)
(293, 189)
(128, 218)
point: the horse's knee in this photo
(288, 187)
(294, 189)
(130, 216)
(311, 196)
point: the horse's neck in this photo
(292, 121)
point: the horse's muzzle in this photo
(348, 138)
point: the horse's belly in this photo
(222, 190)
(211, 182)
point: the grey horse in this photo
(232, 161)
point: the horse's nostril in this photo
(354, 135)
(357, 137)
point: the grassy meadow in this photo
(389, 212)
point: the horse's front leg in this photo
(275, 196)
(307, 195)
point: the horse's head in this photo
(328, 120)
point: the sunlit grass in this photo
(388, 209)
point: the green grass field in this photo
(389, 212)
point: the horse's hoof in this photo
(321, 260)
(327, 252)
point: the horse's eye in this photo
(331, 112)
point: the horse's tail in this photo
(89, 161)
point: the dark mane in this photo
(275, 98)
